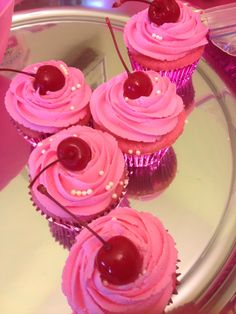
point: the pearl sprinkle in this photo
(64, 69)
(101, 173)
(109, 186)
(156, 36)
(81, 192)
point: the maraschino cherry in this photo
(138, 83)
(47, 78)
(120, 263)
(160, 11)
(73, 153)
(118, 260)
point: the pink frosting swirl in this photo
(53, 111)
(106, 167)
(143, 119)
(169, 41)
(150, 293)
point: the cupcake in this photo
(167, 37)
(143, 126)
(134, 271)
(83, 170)
(52, 97)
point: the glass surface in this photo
(198, 207)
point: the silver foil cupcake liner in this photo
(178, 76)
(144, 160)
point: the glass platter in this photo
(198, 207)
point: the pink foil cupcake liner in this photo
(148, 182)
(178, 76)
(30, 136)
(144, 160)
(65, 232)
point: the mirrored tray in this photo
(198, 206)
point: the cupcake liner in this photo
(144, 160)
(64, 231)
(148, 182)
(65, 234)
(32, 137)
(187, 93)
(178, 76)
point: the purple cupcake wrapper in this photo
(65, 231)
(178, 76)
(144, 160)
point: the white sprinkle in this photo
(159, 37)
(51, 139)
(156, 78)
(39, 144)
(73, 192)
(78, 85)
(84, 193)
(114, 218)
(158, 92)
(101, 173)
(154, 35)
(73, 88)
(138, 152)
(186, 121)
(144, 271)
(72, 107)
(111, 184)
(89, 191)
(126, 181)
(43, 151)
(126, 98)
(130, 151)
(114, 196)
(107, 187)
(121, 183)
(75, 135)
(78, 193)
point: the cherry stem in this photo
(42, 189)
(120, 2)
(108, 22)
(40, 172)
(17, 71)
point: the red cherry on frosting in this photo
(119, 261)
(74, 153)
(163, 11)
(48, 78)
(137, 84)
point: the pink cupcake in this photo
(145, 127)
(83, 170)
(56, 98)
(167, 37)
(134, 271)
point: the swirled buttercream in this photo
(51, 112)
(149, 294)
(169, 41)
(84, 193)
(144, 119)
